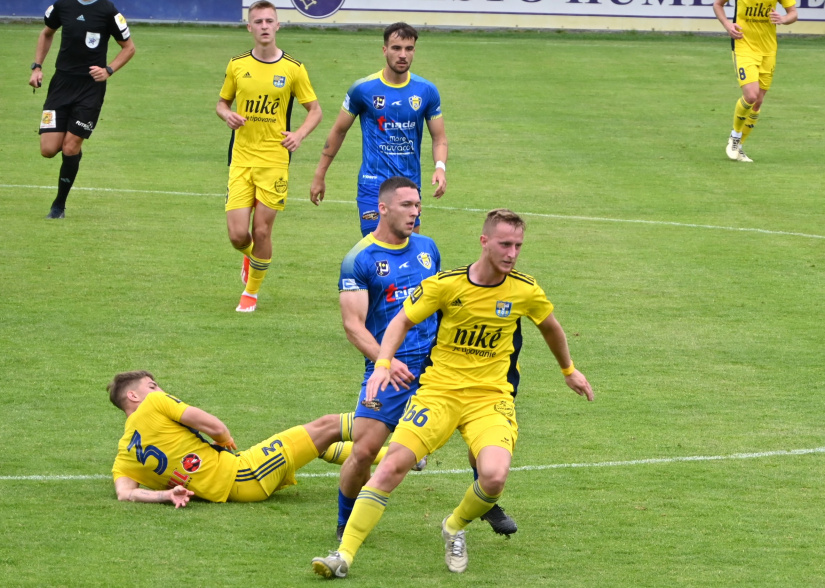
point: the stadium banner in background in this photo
(224, 11)
(640, 15)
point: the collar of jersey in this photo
(381, 75)
(372, 238)
(87, 2)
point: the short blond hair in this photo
(502, 215)
(259, 5)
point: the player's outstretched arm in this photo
(439, 136)
(393, 337)
(557, 342)
(331, 146)
(44, 43)
(292, 140)
(211, 425)
(129, 490)
(354, 308)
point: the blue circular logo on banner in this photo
(317, 8)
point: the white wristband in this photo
(440, 165)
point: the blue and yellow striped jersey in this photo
(479, 333)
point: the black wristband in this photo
(36, 65)
(110, 71)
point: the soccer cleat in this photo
(333, 566)
(732, 150)
(455, 549)
(56, 213)
(245, 269)
(742, 156)
(422, 463)
(339, 532)
(247, 304)
(500, 521)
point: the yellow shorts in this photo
(271, 465)
(269, 185)
(751, 67)
(482, 417)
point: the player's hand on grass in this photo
(317, 190)
(400, 375)
(439, 177)
(179, 496)
(579, 384)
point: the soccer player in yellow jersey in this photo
(163, 450)
(263, 83)
(468, 384)
(753, 41)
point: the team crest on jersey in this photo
(191, 462)
(279, 81)
(92, 40)
(378, 102)
(505, 408)
(415, 102)
(281, 186)
(382, 268)
(503, 308)
(425, 259)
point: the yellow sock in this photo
(339, 452)
(474, 504)
(346, 425)
(257, 273)
(369, 508)
(753, 118)
(740, 114)
(246, 250)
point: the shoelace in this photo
(458, 544)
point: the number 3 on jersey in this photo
(418, 418)
(142, 454)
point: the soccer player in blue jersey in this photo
(377, 275)
(393, 105)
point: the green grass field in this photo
(691, 289)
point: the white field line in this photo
(480, 210)
(528, 468)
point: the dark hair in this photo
(122, 382)
(259, 5)
(403, 30)
(389, 186)
(502, 215)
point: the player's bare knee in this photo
(493, 485)
(363, 454)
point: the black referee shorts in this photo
(72, 105)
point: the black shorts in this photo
(72, 105)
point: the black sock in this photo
(68, 172)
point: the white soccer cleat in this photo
(732, 150)
(455, 549)
(742, 156)
(331, 567)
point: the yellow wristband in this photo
(384, 363)
(569, 369)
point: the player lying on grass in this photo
(162, 449)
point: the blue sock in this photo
(475, 474)
(345, 506)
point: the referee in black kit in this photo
(78, 86)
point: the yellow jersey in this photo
(479, 332)
(759, 32)
(156, 450)
(263, 94)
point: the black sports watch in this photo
(36, 65)
(110, 71)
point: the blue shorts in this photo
(367, 201)
(390, 404)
